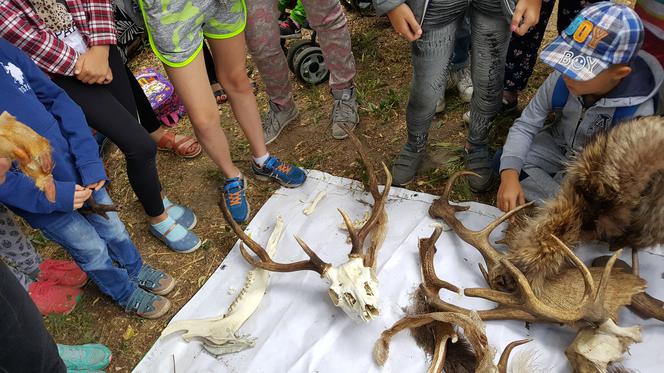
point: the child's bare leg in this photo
(230, 64)
(192, 85)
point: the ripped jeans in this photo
(431, 54)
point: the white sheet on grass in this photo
(299, 330)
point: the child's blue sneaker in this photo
(147, 305)
(88, 357)
(235, 199)
(154, 280)
(286, 174)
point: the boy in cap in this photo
(602, 78)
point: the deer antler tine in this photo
(256, 248)
(635, 262)
(484, 272)
(356, 246)
(371, 173)
(388, 179)
(604, 280)
(492, 295)
(427, 250)
(504, 357)
(587, 277)
(494, 224)
(452, 180)
(535, 305)
(315, 259)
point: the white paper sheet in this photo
(297, 327)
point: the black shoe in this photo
(405, 167)
(288, 29)
(477, 160)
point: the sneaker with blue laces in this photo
(285, 174)
(155, 281)
(147, 305)
(87, 357)
(235, 198)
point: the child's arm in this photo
(20, 191)
(401, 16)
(92, 66)
(518, 143)
(70, 118)
(49, 52)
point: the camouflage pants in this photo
(262, 34)
(16, 250)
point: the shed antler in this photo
(313, 264)
(442, 209)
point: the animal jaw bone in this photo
(312, 206)
(33, 152)
(353, 285)
(444, 326)
(594, 349)
(219, 334)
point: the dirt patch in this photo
(383, 81)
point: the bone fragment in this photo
(312, 206)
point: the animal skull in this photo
(354, 289)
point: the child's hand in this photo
(510, 194)
(526, 15)
(404, 23)
(81, 195)
(92, 66)
(96, 186)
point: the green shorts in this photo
(177, 28)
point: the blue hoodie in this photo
(29, 95)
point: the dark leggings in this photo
(25, 345)
(522, 53)
(112, 110)
(209, 64)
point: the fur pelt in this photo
(613, 192)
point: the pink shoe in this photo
(62, 272)
(49, 297)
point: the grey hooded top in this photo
(577, 124)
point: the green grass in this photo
(79, 325)
(365, 45)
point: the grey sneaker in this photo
(405, 166)
(477, 160)
(344, 112)
(276, 120)
(463, 82)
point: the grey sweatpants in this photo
(545, 166)
(16, 250)
(431, 56)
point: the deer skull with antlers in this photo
(353, 285)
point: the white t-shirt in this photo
(72, 37)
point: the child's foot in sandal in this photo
(155, 281)
(182, 146)
(285, 174)
(181, 214)
(147, 305)
(175, 236)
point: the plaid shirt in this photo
(21, 26)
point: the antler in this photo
(313, 264)
(442, 209)
(378, 220)
(429, 278)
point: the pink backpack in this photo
(159, 91)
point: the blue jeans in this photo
(431, 55)
(95, 243)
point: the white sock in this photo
(260, 161)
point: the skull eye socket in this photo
(370, 311)
(368, 290)
(350, 299)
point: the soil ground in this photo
(384, 71)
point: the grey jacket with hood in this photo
(577, 124)
(419, 7)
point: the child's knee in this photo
(237, 82)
